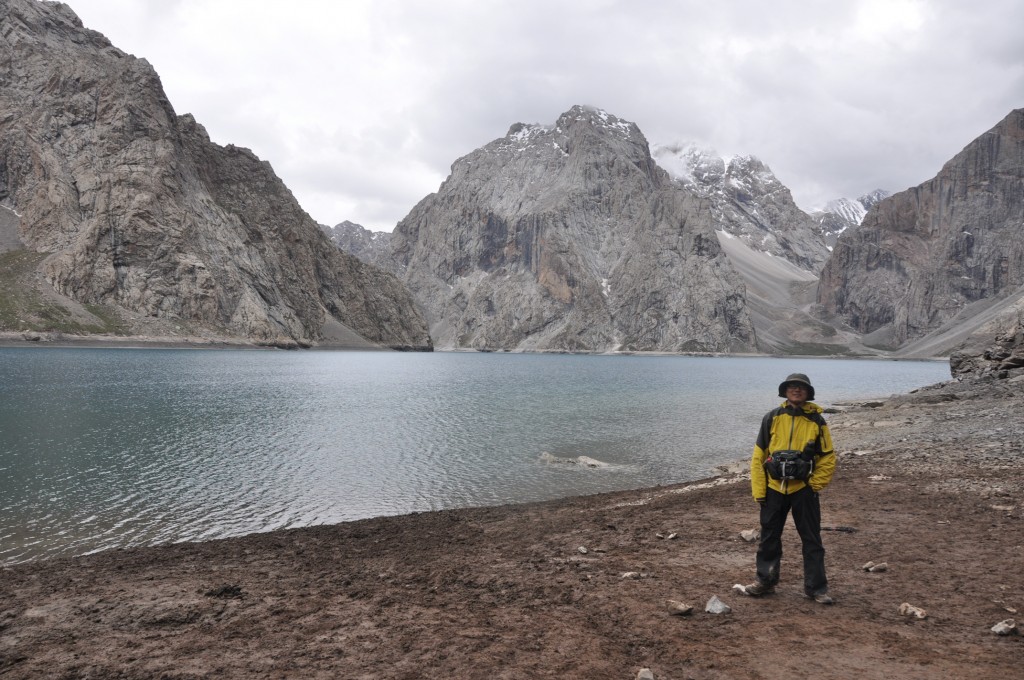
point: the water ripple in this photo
(118, 448)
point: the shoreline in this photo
(64, 341)
(931, 482)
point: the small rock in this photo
(660, 535)
(631, 574)
(673, 537)
(875, 566)
(907, 609)
(740, 588)
(582, 550)
(225, 591)
(645, 674)
(867, 567)
(677, 608)
(1007, 627)
(750, 535)
(716, 606)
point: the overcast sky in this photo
(361, 106)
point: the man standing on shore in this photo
(792, 462)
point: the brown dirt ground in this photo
(931, 482)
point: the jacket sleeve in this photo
(758, 478)
(825, 466)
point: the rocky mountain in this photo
(747, 200)
(570, 237)
(842, 214)
(372, 247)
(129, 212)
(940, 254)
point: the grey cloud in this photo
(367, 111)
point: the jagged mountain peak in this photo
(703, 170)
(843, 214)
(693, 165)
(578, 119)
(355, 239)
(597, 118)
(569, 237)
(746, 201)
(851, 210)
(870, 199)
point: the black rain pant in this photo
(807, 517)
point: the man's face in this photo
(796, 394)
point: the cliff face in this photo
(569, 237)
(924, 254)
(140, 211)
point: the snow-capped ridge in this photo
(847, 208)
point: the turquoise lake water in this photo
(105, 448)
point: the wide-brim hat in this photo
(797, 378)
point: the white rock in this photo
(716, 606)
(740, 588)
(881, 566)
(582, 550)
(631, 574)
(645, 674)
(750, 535)
(1007, 627)
(677, 608)
(672, 537)
(907, 609)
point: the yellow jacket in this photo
(785, 428)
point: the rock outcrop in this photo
(747, 200)
(995, 351)
(141, 212)
(570, 237)
(923, 255)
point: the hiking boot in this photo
(758, 588)
(822, 598)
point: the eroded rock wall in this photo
(922, 255)
(570, 237)
(140, 210)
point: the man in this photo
(793, 461)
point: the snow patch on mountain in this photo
(847, 208)
(746, 200)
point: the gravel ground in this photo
(930, 483)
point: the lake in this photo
(105, 448)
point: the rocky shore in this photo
(931, 484)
